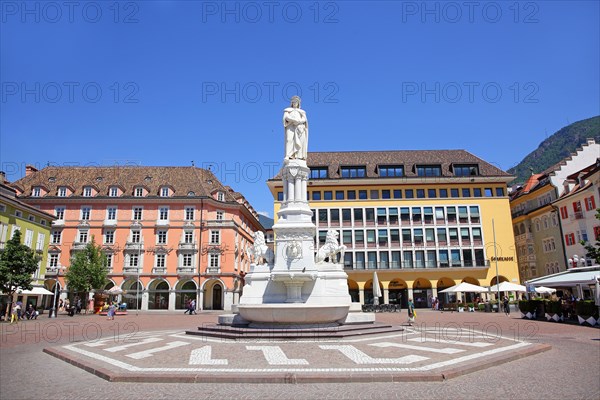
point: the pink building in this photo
(171, 234)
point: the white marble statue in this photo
(261, 253)
(296, 131)
(331, 248)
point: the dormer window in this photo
(221, 196)
(36, 192)
(138, 192)
(62, 191)
(318, 172)
(191, 194)
(429, 170)
(353, 172)
(391, 171)
(113, 191)
(465, 170)
(164, 191)
(87, 191)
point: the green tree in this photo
(87, 270)
(593, 251)
(17, 265)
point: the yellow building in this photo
(423, 220)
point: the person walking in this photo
(506, 305)
(193, 307)
(411, 312)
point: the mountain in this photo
(557, 147)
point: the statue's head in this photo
(295, 102)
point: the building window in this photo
(164, 192)
(161, 237)
(31, 218)
(570, 239)
(62, 191)
(138, 192)
(454, 193)
(409, 193)
(87, 191)
(362, 194)
(137, 213)
(420, 193)
(56, 236)
(109, 237)
(111, 213)
(160, 261)
(351, 194)
(189, 213)
(53, 261)
(279, 196)
(564, 214)
(328, 195)
(113, 191)
(220, 215)
(429, 170)
(353, 172)
(187, 260)
(590, 203)
(431, 193)
(319, 173)
(36, 192)
(339, 195)
(215, 237)
(374, 194)
(85, 213)
(133, 260)
(466, 192)
(163, 213)
(316, 195)
(83, 236)
(188, 237)
(136, 236)
(499, 192)
(476, 192)
(466, 170)
(397, 194)
(488, 192)
(221, 196)
(444, 193)
(213, 262)
(391, 171)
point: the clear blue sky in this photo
(165, 83)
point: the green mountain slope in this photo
(556, 147)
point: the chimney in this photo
(30, 169)
(2, 177)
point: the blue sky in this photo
(165, 83)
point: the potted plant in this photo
(553, 311)
(461, 307)
(528, 309)
(471, 307)
(481, 306)
(587, 312)
(494, 304)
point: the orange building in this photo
(170, 234)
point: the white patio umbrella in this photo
(464, 287)
(115, 290)
(376, 289)
(544, 290)
(508, 287)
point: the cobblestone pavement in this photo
(569, 369)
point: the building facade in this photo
(578, 207)
(170, 234)
(547, 229)
(423, 220)
(34, 225)
(537, 230)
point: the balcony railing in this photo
(131, 270)
(137, 246)
(187, 246)
(577, 215)
(186, 270)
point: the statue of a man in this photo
(296, 131)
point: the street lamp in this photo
(576, 260)
(54, 311)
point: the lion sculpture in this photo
(260, 251)
(331, 248)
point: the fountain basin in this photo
(293, 313)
